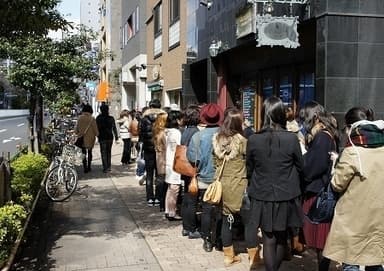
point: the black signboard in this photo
(249, 105)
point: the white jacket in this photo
(173, 137)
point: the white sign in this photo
(277, 31)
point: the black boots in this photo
(207, 246)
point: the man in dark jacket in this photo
(145, 136)
(107, 130)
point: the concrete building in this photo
(166, 49)
(110, 54)
(134, 94)
(90, 14)
(243, 51)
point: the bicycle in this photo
(62, 178)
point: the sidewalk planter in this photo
(28, 172)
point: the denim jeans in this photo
(150, 168)
(106, 150)
(349, 267)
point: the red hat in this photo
(211, 114)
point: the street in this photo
(14, 131)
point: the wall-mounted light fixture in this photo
(217, 47)
(206, 3)
(268, 7)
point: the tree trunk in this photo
(32, 107)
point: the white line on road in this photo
(15, 138)
(3, 130)
(6, 140)
(21, 124)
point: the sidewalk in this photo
(107, 226)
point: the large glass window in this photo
(306, 88)
(174, 11)
(157, 19)
(267, 87)
(285, 92)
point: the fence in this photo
(5, 180)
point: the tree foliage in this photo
(29, 18)
(46, 67)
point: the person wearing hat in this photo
(200, 154)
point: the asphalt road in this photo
(14, 131)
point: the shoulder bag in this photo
(215, 190)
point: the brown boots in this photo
(254, 257)
(296, 245)
(230, 257)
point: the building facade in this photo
(109, 88)
(235, 56)
(166, 49)
(90, 14)
(134, 94)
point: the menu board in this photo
(249, 105)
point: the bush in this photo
(27, 173)
(12, 217)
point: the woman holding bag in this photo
(229, 147)
(86, 127)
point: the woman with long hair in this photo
(172, 178)
(190, 119)
(321, 139)
(159, 140)
(229, 147)
(274, 171)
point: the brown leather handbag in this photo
(181, 164)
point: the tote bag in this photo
(215, 190)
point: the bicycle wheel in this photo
(61, 183)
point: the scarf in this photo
(367, 135)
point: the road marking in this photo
(6, 141)
(15, 138)
(3, 130)
(21, 124)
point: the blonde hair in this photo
(159, 124)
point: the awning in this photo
(102, 92)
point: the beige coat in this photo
(357, 231)
(234, 176)
(160, 147)
(85, 120)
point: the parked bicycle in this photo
(62, 178)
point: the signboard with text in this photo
(248, 105)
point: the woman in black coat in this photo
(274, 170)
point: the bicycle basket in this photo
(72, 154)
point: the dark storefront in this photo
(338, 63)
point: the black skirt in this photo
(272, 216)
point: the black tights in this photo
(274, 249)
(322, 261)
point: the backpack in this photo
(134, 127)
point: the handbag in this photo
(323, 208)
(79, 141)
(181, 164)
(215, 190)
(193, 187)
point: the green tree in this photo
(29, 18)
(44, 68)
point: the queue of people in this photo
(281, 168)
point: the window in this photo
(174, 11)
(131, 27)
(157, 19)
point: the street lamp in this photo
(215, 48)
